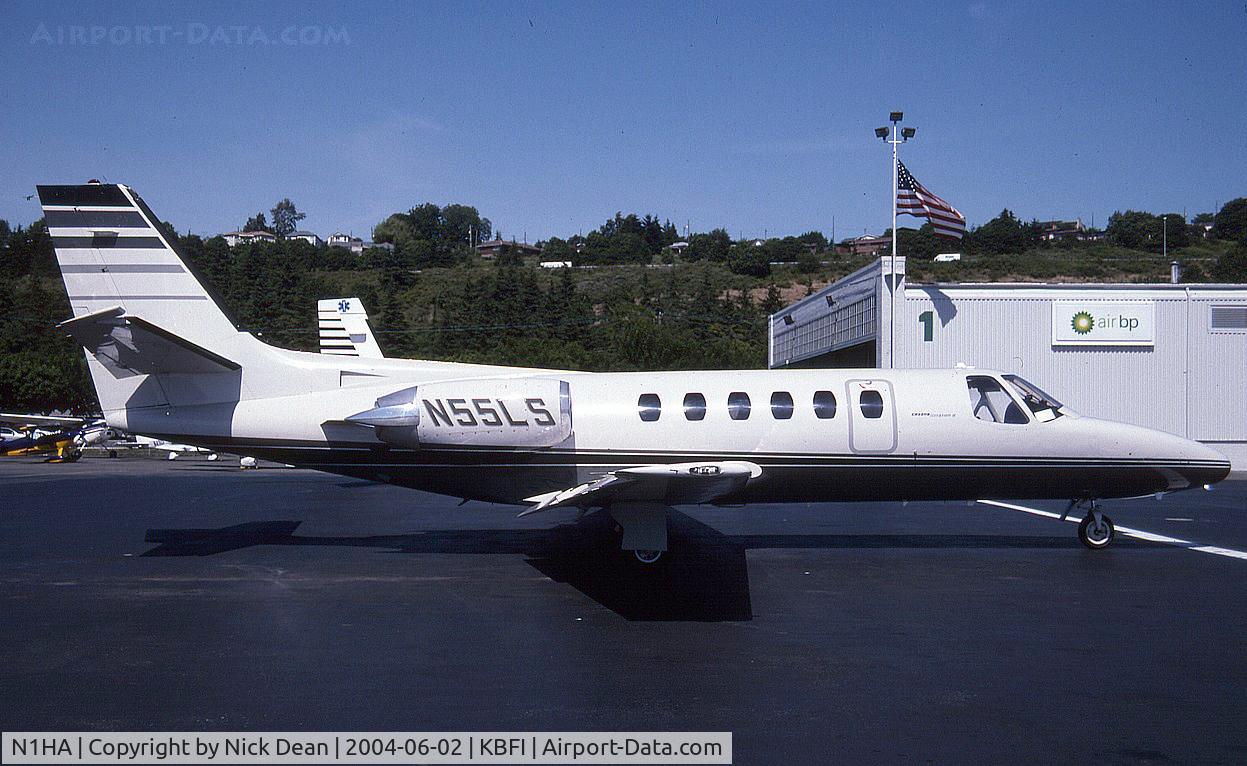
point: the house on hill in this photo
(355, 244)
(235, 238)
(867, 244)
(307, 236)
(496, 247)
(1051, 231)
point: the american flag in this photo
(912, 198)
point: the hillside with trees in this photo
(631, 302)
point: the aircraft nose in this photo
(1198, 463)
(1183, 462)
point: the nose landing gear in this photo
(1096, 531)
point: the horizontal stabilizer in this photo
(129, 345)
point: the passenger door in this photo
(872, 416)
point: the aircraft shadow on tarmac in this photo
(706, 580)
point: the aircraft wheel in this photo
(1096, 531)
(645, 560)
(648, 557)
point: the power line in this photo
(687, 318)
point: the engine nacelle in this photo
(528, 413)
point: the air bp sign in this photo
(1103, 323)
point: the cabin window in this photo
(694, 406)
(990, 402)
(781, 405)
(871, 403)
(649, 406)
(738, 405)
(824, 404)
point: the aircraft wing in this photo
(40, 420)
(671, 483)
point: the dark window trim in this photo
(648, 412)
(827, 410)
(694, 406)
(782, 405)
(862, 405)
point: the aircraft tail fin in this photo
(112, 251)
(344, 329)
(146, 319)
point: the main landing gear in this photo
(1096, 531)
(644, 528)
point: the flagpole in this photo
(892, 266)
(898, 136)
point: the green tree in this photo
(816, 238)
(1174, 230)
(773, 301)
(629, 247)
(557, 250)
(652, 231)
(713, 246)
(461, 222)
(749, 259)
(1232, 267)
(286, 218)
(1001, 235)
(256, 222)
(786, 250)
(428, 235)
(921, 244)
(1231, 221)
(1139, 230)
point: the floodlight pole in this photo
(895, 241)
(898, 137)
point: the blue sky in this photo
(550, 117)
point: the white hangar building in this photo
(1167, 356)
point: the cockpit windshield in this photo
(1044, 405)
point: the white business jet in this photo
(167, 361)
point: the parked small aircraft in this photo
(61, 437)
(120, 440)
(167, 361)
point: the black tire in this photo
(645, 561)
(1099, 540)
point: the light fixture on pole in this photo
(899, 136)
